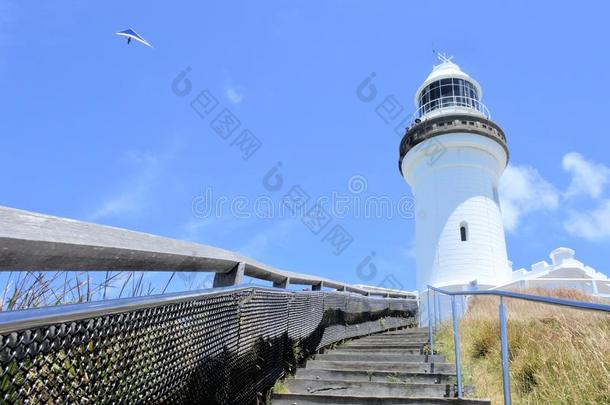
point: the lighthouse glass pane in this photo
(446, 93)
(447, 90)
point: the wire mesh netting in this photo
(216, 348)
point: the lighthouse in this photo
(452, 157)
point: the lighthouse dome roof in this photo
(445, 70)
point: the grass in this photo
(557, 355)
(33, 289)
(280, 387)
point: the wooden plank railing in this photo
(33, 241)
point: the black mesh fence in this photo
(216, 348)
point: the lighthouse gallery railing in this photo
(455, 104)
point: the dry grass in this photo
(557, 355)
(33, 289)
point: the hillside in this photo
(557, 355)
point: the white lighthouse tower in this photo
(452, 157)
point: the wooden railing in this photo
(33, 241)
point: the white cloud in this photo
(234, 92)
(121, 204)
(410, 250)
(257, 245)
(234, 95)
(591, 225)
(198, 229)
(191, 229)
(523, 191)
(132, 195)
(588, 178)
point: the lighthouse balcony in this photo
(448, 105)
(457, 122)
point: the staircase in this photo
(383, 369)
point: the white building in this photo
(453, 156)
(564, 271)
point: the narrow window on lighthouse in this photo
(464, 231)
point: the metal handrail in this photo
(591, 306)
(31, 318)
(532, 281)
(33, 241)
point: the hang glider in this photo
(131, 34)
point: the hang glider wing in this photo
(131, 34)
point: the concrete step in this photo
(403, 333)
(423, 331)
(421, 336)
(297, 399)
(383, 338)
(381, 369)
(392, 338)
(367, 342)
(381, 357)
(390, 341)
(376, 376)
(406, 330)
(373, 345)
(365, 388)
(396, 336)
(402, 367)
(361, 350)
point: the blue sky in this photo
(92, 128)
